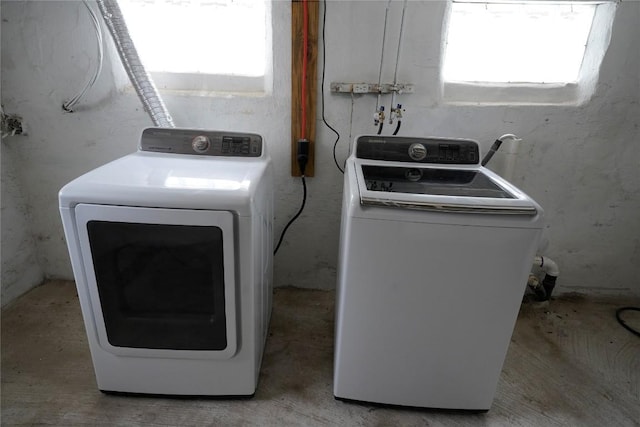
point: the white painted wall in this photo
(21, 270)
(581, 163)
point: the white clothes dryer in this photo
(435, 251)
(172, 253)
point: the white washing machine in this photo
(172, 253)
(435, 251)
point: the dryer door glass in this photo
(161, 286)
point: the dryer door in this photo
(161, 281)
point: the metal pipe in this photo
(384, 38)
(395, 72)
(140, 79)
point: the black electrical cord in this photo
(380, 127)
(302, 158)
(304, 200)
(324, 62)
(623, 323)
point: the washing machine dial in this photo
(417, 151)
(200, 144)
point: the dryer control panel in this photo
(418, 150)
(201, 142)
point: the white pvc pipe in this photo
(548, 265)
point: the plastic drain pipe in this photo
(138, 76)
(551, 273)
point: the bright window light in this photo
(527, 42)
(222, 37)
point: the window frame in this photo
(204, 84)
(510, 93)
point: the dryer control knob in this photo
(200, 144)
(417, 151)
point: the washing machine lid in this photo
(471, 189)
(182, 181)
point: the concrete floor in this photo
(569, 363)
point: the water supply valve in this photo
(378, 116)
(396, 112)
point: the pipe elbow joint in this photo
(548, 265)
(552, 272)
(509, 136)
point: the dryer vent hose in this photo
(138, 76)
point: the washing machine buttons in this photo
(200, 144)
(417, 151)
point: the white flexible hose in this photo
(70, 104)
(496, 145)
(509, 136)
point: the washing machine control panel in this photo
(201, 142)
(418, 150)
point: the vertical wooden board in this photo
(297, 52)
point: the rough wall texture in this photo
(21, 270)
(582, 164)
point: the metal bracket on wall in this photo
(399, 88)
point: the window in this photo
(210, 45)
(529, 46)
